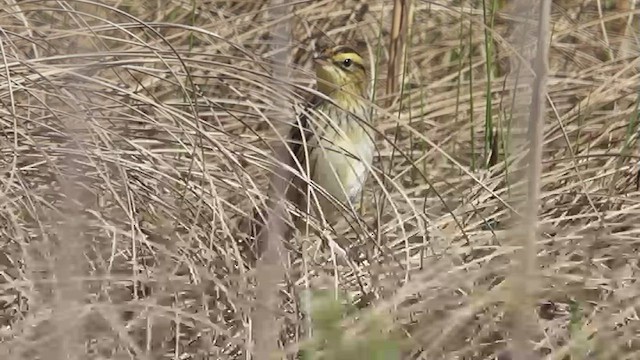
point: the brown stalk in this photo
(400, 26)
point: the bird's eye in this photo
(346, 63)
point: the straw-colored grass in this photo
(139, 137)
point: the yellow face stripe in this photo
(342, 56)
(336, 76)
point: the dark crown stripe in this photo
(343, 49)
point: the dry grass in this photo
(139, 136)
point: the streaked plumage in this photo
(339, 140)
(335, 135)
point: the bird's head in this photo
(341, 74)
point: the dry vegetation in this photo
(137, 141)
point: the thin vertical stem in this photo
(525, 324)
(270, 270)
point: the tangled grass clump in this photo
(139, 138)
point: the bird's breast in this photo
(342, 159)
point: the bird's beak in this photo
(320, 59)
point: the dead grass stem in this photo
(138, 137)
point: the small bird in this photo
(334, 135)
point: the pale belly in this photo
(342, 168)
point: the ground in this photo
(138, 139)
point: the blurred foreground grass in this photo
(138, 139)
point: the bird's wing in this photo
(299, 138)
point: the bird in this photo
(332, 143)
